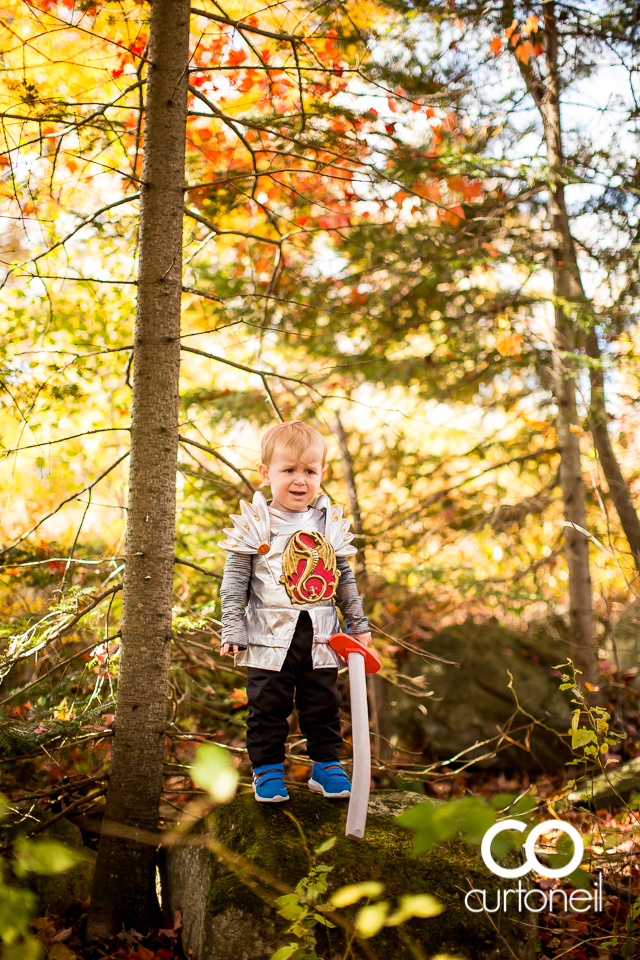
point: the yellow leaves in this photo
(59, 952)
(371, 919)
(345, 896)
(419, 905)
(576, 430)
(510, 31)
(510, 346)
(537, 425)
(63, 711)
(524, 51)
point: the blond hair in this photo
(296, 436)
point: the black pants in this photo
(272, 694)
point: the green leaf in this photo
(502, 800)
(580, 879)
(327, 845)
(16, 908)
(418, 905)
(467, 817)
(213, 770)
(26, 949)
(354, 892)
(45, 857)
(322, 920)
(522, 808)
(370, 920)
(582, 736)
(285, 952)
(290, 908)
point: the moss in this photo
(268, 837)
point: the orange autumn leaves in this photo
(523, 47)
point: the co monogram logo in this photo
(532, 862)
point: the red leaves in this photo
(236, 57)
(135, 50)
(496, 46)
(454, 215)
(238, 698)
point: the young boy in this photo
(288, 559)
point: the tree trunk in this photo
(567, 287)
(124, 884)
(568, 290)
(618, 487)
(375, 683)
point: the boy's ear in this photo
(324, 473)
(264, 472)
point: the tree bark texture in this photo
(375, 683)
(619, 490)
(567, 288)
(124, 884)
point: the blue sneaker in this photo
(330, 780)
(268, 783)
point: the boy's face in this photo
(294, 481)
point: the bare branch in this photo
(59, 243)
(240, 25)
(224, 233)
(218, 456)
(188, 563)
(87, 433)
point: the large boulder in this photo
(626, 632)
(229, 915)
(451, 706)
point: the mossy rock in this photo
(225, 918)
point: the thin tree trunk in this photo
(375, 683)
(568, 290)
(618, 487)
(124, 883)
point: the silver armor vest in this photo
(293, 569)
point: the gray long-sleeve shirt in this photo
(234, 593)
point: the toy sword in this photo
(361, 661)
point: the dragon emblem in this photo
(309, 569)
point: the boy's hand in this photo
(364, 638)
(225, 648)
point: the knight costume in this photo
(285, 563)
